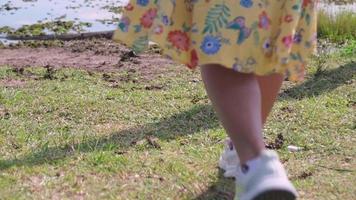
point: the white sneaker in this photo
(229, 161)
(267, 181)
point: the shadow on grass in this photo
(198, 118)
(322, 82)
(222, 189)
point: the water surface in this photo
(335, 8)
(15, 13)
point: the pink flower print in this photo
(194, 59)
(288, 18)
(148, 17)
(158, 29)
(306, 3)
(265, 21)
(129, 7)
(179, 39)
(287, 41)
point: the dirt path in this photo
(97, 55)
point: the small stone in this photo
(293, 148)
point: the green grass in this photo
(337, 28)
(350, 49)
(69, 134)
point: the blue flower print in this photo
(137, 28)
(246, 3)
(267, 46)
(143, 2)
(165, 20)
(211, 45)
(124, 24)
(298, 37)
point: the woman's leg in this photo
(236, 98)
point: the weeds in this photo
(337, 28)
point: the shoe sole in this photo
(276, 195)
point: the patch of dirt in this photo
(4, 113)
(303, 175)
(287, 109)
(93, 55)
(109, 127)
(277, 144)
(153, 141)
(12, 83)
(36, 183)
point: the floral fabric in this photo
(248, 36)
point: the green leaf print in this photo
(295, 56)
(264, 3)
(254, 25)
(140, 44)
(217, 18)
(185, 27)
(307, 19)
(303, 13)
(256, 37)
(296, 7)
(256, 34)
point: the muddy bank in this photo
(100, 55)
(94, 55)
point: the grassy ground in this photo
(72, 134)
(337, 28)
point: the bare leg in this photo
(236, 98)
(269, 87)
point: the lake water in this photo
(15, 13)
(334, 9)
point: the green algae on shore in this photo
(55, 27)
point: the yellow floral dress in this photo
(248, 36)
